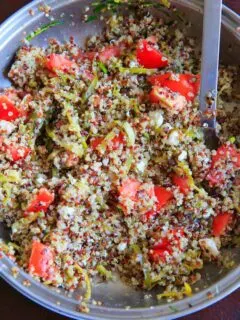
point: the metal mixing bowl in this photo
(119, 301)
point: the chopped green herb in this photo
(103, 67)
(42, 29)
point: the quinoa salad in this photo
(104, 172)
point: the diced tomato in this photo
(223, 153)
(163, 243)
(182, 182)
(220, 223)
(15, 151)
(166, 244)
(58, 62)
(149, 57)
(158, 255)
(109, 52)
(41, 259)
(8, 111)
(163, 196)
(215, 177)
(117, 141)
(129, 189)
(168, 99)
(40, 202)
(187, 84)
(153, 95)
(114, 144)
(18, 152)
(81, 55)
(95, 142)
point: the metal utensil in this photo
(209, 70)
(119, 302)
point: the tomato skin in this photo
(129, 189)
(8, 111)
(40, 260)
(182, 183)
(57, 62)
(40, 202)
(149, 57)
(220, 223)
(163, 196)
(188, 84)
(109, 52)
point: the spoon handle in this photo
(210, 61)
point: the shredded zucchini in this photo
(90, 89)
(104, 272)
(130, 133)
(10, 176)
(137, 70)
(74, 147)
(83, 272)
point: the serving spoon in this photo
(209, 70)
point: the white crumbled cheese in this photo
(6, 127)
(182, 156)
(156, 118)
(209, 245)
(173, 138)
(122, 246)
(141, 165)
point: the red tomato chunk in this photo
(57, 62)
(220, 223)
(41, 201)
(8, 111)
(185, 84)
(149, 57)
(14, 151)
(163, 196)
(41, 260)
(129, 189)
(165, 245)
(182, 182)
(109, 52)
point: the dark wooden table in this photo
(14, 306)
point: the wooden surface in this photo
(15, 306)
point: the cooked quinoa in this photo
(103, 164)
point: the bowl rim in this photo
(219, 290)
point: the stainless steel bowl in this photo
(119, 301)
